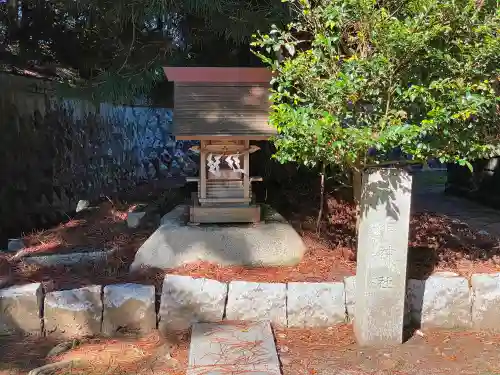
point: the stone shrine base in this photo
(272, 242)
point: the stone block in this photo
(486, 301)
(186, 300)
(15, 244)
(257, 301)
(20, 309)
(350, 292)
(73, 313)
(382, 257)
(134, 218)
(440, 301)
(315, 304)
(128, 308)
(82, 205)
(175, 243)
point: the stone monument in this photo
(382, 257)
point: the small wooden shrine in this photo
(224, 109)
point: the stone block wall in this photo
(21, 309)
(128, 308)
(55, 151)
(73, 313)
(185, 300)
(443, 300)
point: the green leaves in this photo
(361, 80)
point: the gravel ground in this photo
(302, 352)
(334, 352)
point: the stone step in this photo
(236, 347)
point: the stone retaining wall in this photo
(56, 151)
(444, 300)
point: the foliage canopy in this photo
(115, 48)
(357, 79)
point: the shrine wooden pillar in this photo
(246, 170)
(203, 170)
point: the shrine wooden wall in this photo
(221, 109)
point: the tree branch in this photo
(131, 44)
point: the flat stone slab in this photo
(315, 304)
(240, 348)
(486, 303)
(186, 300)
(440, 301)
(257, 302)
(20, 309)
(73, 313)
(128, 308)
(270, 243)
(69, 258)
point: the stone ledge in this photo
(21, 309)
(271, 243)
(257, 301)
(128, 308)
(69, 258)
(440, 301)
(486, 301)
(443, 300)
(73, 313)
(186, 300)
(315, 304)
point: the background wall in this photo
(55, 152)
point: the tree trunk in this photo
(322, 198)
(14, 12)
(357, 181)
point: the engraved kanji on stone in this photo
(384, 254)
(383, 282)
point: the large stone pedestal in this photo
(224, 214)
(382, 257)
(272, 242)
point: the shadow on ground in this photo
(23, 354)
(439, 239)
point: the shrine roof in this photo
(233, 75)
(213, 102)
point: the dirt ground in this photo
(437, 243)
(334, 352)
(301, 351)
(152, 354)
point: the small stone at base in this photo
(15, 244)
(134, 219)
(82, 205)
